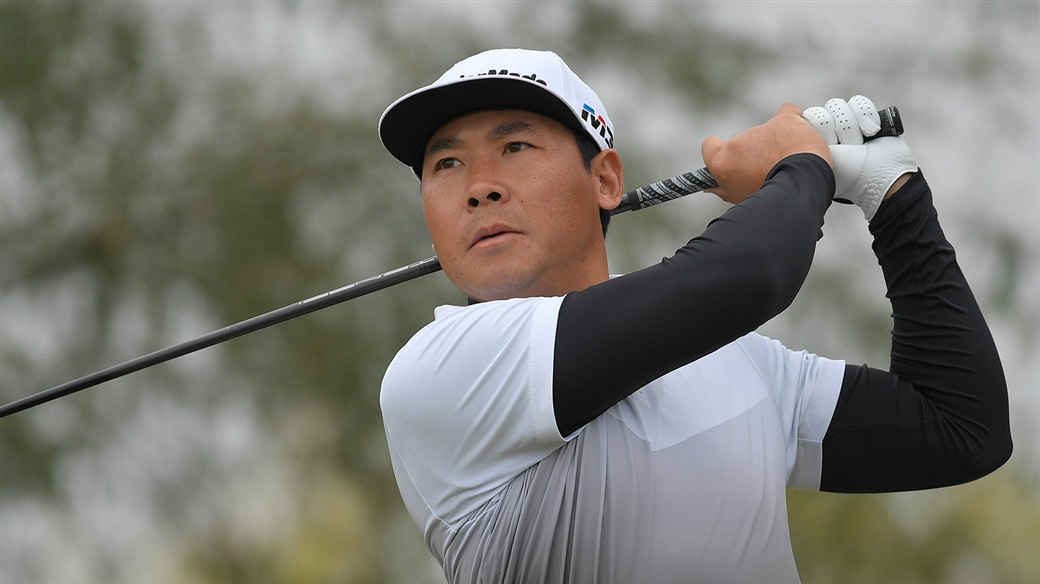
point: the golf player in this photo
(569, 426)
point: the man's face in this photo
(511, 208)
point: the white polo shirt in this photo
(683, 481)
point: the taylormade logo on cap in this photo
(549, 70)
(597, 123)
(537, 81)
(532, 76)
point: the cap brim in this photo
(408, 124)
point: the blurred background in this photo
(169, 168)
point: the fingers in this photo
(822, 120)
(841, 122)
(845, 125)
(866, 115)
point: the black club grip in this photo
(891, 123)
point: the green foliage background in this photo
(170, 168)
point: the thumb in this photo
(710, 148)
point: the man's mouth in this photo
(491, 235)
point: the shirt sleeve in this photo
(805, 388)
(467, 403)
(939, 415)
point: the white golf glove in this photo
(863, 171)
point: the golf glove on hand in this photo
(863, 171)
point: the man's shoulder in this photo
(481, 309)
(462, 337)
(487, 318)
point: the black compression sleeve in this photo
(745, 268)
(940, 417)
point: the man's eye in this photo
(446, 163)
(517, 146)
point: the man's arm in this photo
(745, 268)
(940, 415)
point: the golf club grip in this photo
(686, 183)
(700, 179)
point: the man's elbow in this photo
(996, 454)
(988, 444)
(990, 455)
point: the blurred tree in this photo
(159, 203)
(152, 192)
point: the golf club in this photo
(640, 198)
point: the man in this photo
(567, 426)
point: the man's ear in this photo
(610, 174)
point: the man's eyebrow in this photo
(510, 128)
(499, 131)
(446, 143)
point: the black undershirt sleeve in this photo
(746, 267)
(940, 415)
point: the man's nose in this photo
(493, 196)
(485, 182)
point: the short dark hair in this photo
(589, 149)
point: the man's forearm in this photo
(940, 415)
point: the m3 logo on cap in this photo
(588, 115)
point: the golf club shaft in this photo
(682, 185)
(640, 198)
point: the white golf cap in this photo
(536, 81)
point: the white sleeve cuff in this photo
(809, 458)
